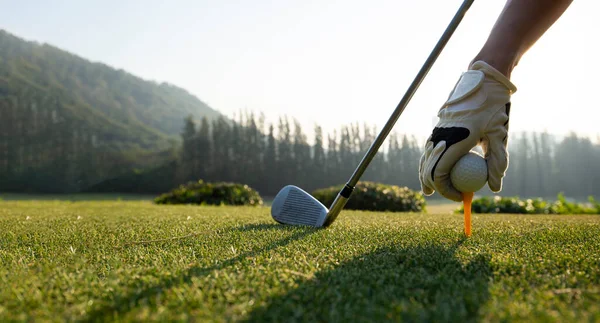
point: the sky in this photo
(324, 62)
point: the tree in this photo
(539, 170)
(412, 178)
(253, 152)
(236, 146)
(6, 116)
(547, 165)
(405, 155)
(375, 170)
(394, 167)
(346, 154)
(261, 138)
(318, 169)
(221, 149)
(285, 167)
(271, 162)
(203, 162)
(189, 157)
(301, 151)
(332, 161)
(523, 161)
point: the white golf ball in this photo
(470, 173)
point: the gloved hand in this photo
(476, 113)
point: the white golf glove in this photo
(476, 113)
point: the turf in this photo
(134, 261)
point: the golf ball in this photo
(470, 173)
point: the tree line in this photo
(38, 147)
(42, 149)
(269, 156)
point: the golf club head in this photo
(294, 206)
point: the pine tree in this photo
(253, 152)
(346, 155)
(272, 183)
(547, 165)
(355, 144)
(584, 168)
(595, 170)
(539, 169)
(236, 144)
(261, 146)
(393, 166)
(412, 179)
(5, 121)
(405, 155)
(203, 162)
(372, 173)
(318, 161)
(221, 132)
(20, 135)
(332, 161)
(301, 152)
(189, 148)
(285, 161)
(524, 166)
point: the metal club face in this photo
(294, 206)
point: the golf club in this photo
(294, 206)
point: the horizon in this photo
(295, 41)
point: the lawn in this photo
(134, 261)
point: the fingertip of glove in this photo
(455, 198)
(451, 193)
(427, 191)
(495, 187)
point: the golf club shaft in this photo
(344, 194)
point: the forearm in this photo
(519, 26)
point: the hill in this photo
(121, 110)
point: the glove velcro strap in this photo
(495, 74)
(468, 83)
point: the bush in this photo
(220, 193)
(514, 205)
(369, 196)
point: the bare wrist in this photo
(503, 62)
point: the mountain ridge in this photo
(128, 111)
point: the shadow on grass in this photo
(422, 283)
(121, 304)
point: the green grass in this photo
(87, 261)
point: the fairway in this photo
(135, 261)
